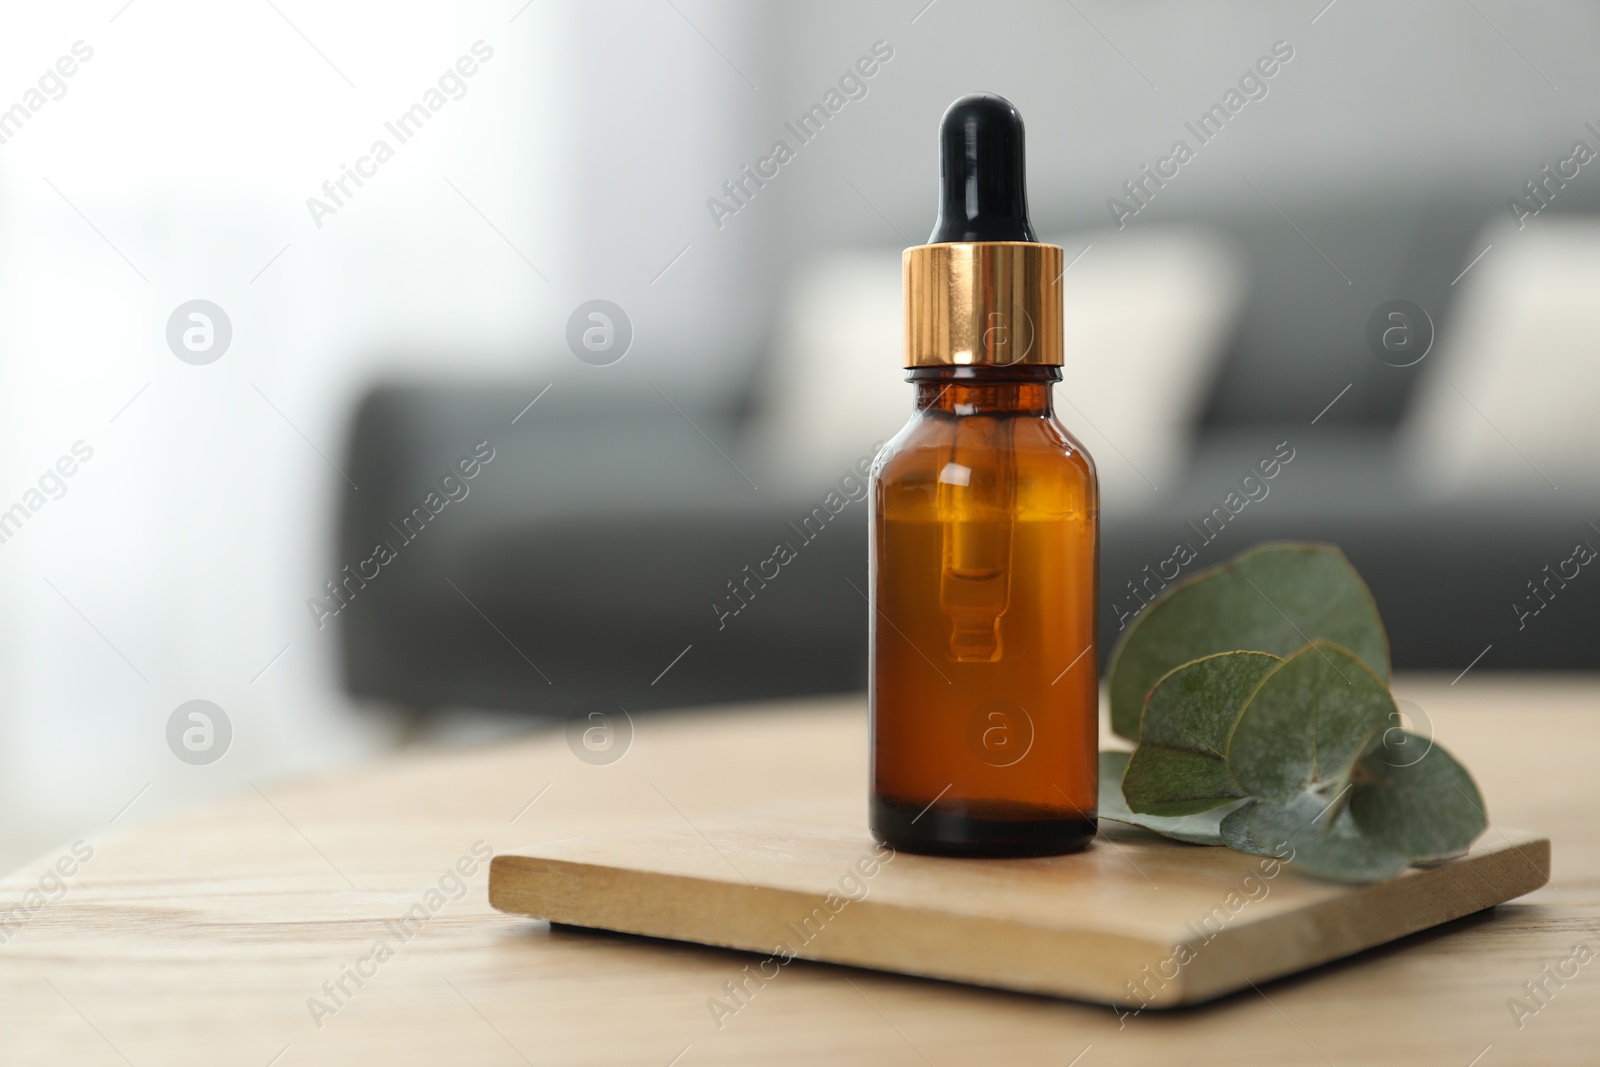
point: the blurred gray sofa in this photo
(588, 558)
(589, 555)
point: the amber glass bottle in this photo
(985, 525)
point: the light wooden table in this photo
(201, 940)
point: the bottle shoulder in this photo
(1036, 466)
(1037, 441)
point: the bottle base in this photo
(975, 830)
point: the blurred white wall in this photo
(176, 165)
(1378, 97)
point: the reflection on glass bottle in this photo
(975, 501)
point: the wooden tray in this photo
(1135, 920)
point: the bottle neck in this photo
(1019, 390)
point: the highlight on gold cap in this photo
(982, 303)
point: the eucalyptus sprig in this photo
(1257, 694)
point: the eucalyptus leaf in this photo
(1317, 835)
(1298, 758)
(1273, 598)
(1180, 766)
(1427, 807)
(1202, 829)
(1307, 723)
(1235, 831)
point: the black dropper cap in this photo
(983, 194)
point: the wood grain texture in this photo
(200, 940)
(1132, 920)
